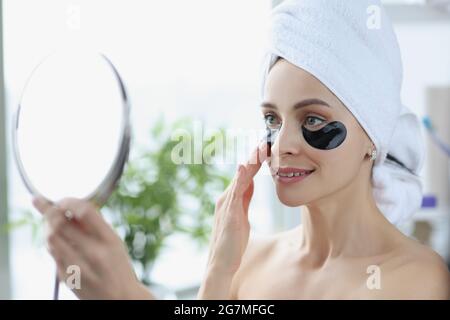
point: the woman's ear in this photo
(371, 153)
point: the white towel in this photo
(351, 47)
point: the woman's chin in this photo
(290, 200)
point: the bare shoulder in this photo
(262, 247)
(259, 252)
(415, 271)
(259, 248)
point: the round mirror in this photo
(72, 132)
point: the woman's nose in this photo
(287, 141)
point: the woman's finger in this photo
(60, 224)
(56, 219)
(231, 192)
(257, 157)
(76, 237)
(42, 205)
(235, 205)
(238, 188)
(63, 253)
(222, 211)
(88, 217)
(248, 194)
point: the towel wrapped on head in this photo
(351, 47)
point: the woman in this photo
(343, 146)
(343, 234)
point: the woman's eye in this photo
(315, 121)
(271, 121)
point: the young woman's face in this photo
(313, 131)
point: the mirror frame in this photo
(100, 195)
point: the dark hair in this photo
(398, 162)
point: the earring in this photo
(373, 154)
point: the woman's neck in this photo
(346, 224)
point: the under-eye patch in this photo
(270, 139)
(326, 138)
(329, 137)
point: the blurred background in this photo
(188, 62)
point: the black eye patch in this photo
(270, 139)
(328, 137)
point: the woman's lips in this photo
(291, 175)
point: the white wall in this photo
(425, 47)
(426, 58)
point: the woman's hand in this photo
(231, 229)
(78, 235)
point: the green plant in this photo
(157, 197)
(26, 219)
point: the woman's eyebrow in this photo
(303, 103)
